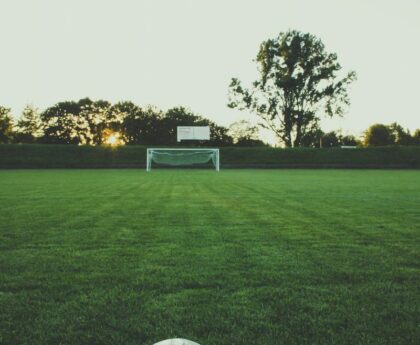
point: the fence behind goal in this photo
(182, 157)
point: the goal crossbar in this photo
(182, 156)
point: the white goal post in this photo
(182, 157)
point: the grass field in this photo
(236, 257)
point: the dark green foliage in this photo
(219, 136)
(312, 138)
(298, 82)
(330, 139)
(317, 137)
(249, 142)
(59, 123)
(416, 137)
(141, 126)
(179, 116)
(379, 135)
(81, 122)
(87, 122)
(394, 134)
(402, 136)
(349, 140)
(29, 126)
(232, 258)
(70, 156)
(375, 157)
(73, 156)
(6, 125)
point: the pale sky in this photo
(184, 52)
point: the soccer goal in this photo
(182, 157)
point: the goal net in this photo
(183, 157)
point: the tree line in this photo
(88, 122)
(299, 82)
(375, 135)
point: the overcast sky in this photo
(184, 52)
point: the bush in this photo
(73, 156)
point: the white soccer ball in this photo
(177, 341)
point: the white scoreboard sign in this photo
(193, 133)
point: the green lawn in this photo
(237, 257)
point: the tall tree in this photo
(61, 123)
(6, 125)
(82, 122)
(141, 126)
(330, 139)
(29, 125)
(313, 138)
(94, 121)
(378, 135)
(401, 135)
(298, 82)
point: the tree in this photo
(219, 136)
(90, 122)
(96, 120)
(243, 130)
(330, 139)
(378, 135)
(244, 133)
(141, 126)
(6, 125)
(29, 125)
(180, 116)
(402, 136)
(349, 140)
(416, 137)
(129, 121)
(60, 123)
(83, 122)
(317, 138)
(298, 82)
(313, 137)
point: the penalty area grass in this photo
(236, 257)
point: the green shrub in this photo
(73, 156)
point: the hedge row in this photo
(71, 156)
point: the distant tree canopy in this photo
(29, 126)
(81, 122)
(92, 122)
(298, 82)
(416, 137)
(317, 138)
(401, 135)
(245, 134)
(88, 122)
(394, 134)
(378, 135)
(6, 125)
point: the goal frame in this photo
(149, 150)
